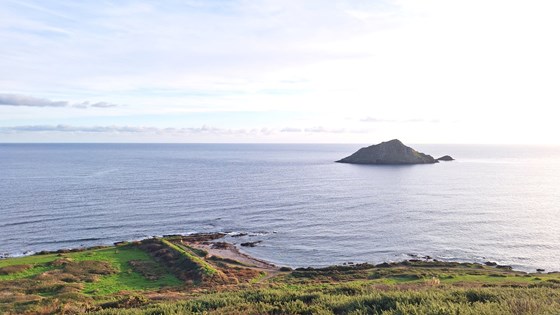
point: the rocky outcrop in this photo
(390, 152)
(445, 158)
(250, 244)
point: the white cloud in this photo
(26, 100)
(383, 120)
(168, 130)
(405, 63)
(117, 129)
(291, 129)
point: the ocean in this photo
(494, 203)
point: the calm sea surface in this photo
(494, 203)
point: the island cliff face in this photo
(390, 152)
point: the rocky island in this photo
(446, 158)
(390, 152)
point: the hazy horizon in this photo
(438, 72)
(299, 143)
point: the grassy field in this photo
(123, 277)
(167, 276)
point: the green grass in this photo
(125, 278)
(361, 299)
(35, 270)
(199, 252)
(197, 262)
(102, 281)
(25, 260)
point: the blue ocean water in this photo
(498, 203)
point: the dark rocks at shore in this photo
(71, 250)
(250, 244)
(505, 267)
(201, 237)
(383, 265)
(346, 267)
(221, 245)
(390, 152)
(446, 158)
(539, 270)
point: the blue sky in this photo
(434, 71)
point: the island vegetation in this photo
(200, 274)
(392, 152)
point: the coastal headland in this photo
(200, 273)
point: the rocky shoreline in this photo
(206, 274)
(213, 244)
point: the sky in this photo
(288, 71)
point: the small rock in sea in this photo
(540, 270)
(491, 263)
(250, 244)
(445, 158)
(239, 235)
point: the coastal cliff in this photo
(389, 152)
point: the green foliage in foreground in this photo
(363, 299)
(192, 260)
(125, 278)
(132, 279)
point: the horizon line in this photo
(290, 143)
